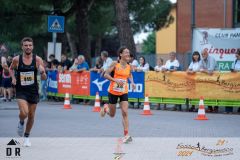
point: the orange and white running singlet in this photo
(121, 74)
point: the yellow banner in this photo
(182, 85)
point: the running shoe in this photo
(104, 110)
(127, 139)
(26, 142)
(20, 129)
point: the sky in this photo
(138, 38)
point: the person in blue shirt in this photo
(83, 65)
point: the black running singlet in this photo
(27, 77)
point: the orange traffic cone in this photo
(97, 104)
(67, 104)
(146, 108)
(201, 111)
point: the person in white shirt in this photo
(172, 64)
(159, 65)
(236, 63)
(195, 64)
(193, 68)
(107, 61)
(134, 63)
(235, 68)
(159, 68)
(143, 66)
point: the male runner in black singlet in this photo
(27, 66)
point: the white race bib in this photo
(27, 78)
(118, 88)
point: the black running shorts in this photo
(30, 98)
(114, 98)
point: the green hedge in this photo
(207, 102)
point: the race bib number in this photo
(27, 78)
(118, 88)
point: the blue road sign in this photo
(56, 24)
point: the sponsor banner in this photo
(74, 83)
(52, 84)
(138, 78)
(64, 83)
(223, 148)
(80, 83)
(100, 84)
(219, 86)
(222, 44)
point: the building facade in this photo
(208, 14)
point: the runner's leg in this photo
(31, 115)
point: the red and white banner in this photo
(74, 83)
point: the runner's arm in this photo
(108, 72)
(132, 82)
(13, 66)
(41, 68)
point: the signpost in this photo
(55, 25)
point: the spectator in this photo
(82, 64)
(9, 60)
(107, 61)
(54, 65)
(235, 68)
(208, 65)
(133, 62)
(143, 65)
(65, 62)
(2, 65)
(236, 63)
(172, 64)
(12, 89)
(193, 68)
(75, 65)
(51, 58)
(195, 64)
(6, 83)
(44, 84)
(98, 66)
(158, 68)
(159, 65)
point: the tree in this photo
(150, 15)
(125, 33)
(147, 15)
(149, 45)
(101, 18)
(20, 19)
(86, 20)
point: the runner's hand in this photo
(41, 69)
(133, 86)
(119, 82)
